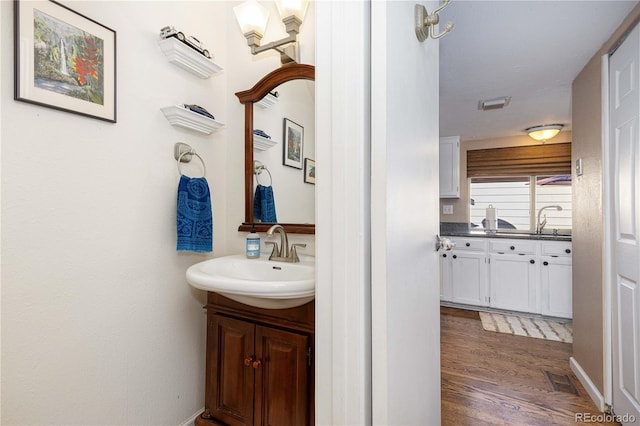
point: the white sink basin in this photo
(257, 282)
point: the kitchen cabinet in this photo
(259, 365)
(450, 167)
(513, 274)
(465, 273)
(445, 276)
(523, 275)
(556, 280)
(513, 282)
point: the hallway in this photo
(497, 379)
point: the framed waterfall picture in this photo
(292, 144)
(64, 60)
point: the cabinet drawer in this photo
(469, 244)
(556, 248)
(512, 246)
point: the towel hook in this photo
(258, 168)
(425, 23)
(183, 153)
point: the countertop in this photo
(506, 234)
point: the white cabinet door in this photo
(555, 286)
(450, 167)
(513, 282)
(445, 276)
(468, 278)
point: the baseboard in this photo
(591, 388)
(191, 420)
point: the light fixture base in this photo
(292, 24)
(253, 38)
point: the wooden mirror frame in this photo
(248, 98)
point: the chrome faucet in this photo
(540, 225)
(282, 253)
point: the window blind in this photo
(533, 160)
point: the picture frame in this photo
(64, 60)
(309, 171)
(292, 144)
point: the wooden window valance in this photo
(533, 160)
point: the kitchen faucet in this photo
(282, 253)
(540, 225)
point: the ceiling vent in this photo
(496, 103)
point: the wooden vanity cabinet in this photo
(259, 365)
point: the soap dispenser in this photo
(253, 244)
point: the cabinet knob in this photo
(545, 263)
(248, 361)
(256, 363)
(532, 261)
(512, 247)
(455, 256)
(444, 255)
(468, 244)
(567, 251)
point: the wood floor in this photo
(493, 378)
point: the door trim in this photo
(606, 218)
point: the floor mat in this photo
(529, 327)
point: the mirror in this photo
(248, 98)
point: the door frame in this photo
(606, 399)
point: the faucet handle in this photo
(293, 254)
(275, 252)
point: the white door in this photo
(624, 144)
(404, 219)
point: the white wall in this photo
(98, 323)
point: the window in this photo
(513, 198)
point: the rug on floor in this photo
(525, 326)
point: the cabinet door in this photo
(512, 279)
(445, 276)
(556, 286)
(468, 278)
(230, 383)
(450, 167)
(282, 380)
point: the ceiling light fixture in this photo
(252, 18)
(545, 132)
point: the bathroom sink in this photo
(257, 282)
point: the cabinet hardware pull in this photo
(455, 256)
(248, 361)
(532, 261)
(444, 255)
(256, 363)
(512, 247)
(468, 244)
(545, 263)
(567, 251)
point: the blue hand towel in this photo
(264, 206)
(195, 220)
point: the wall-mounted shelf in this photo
(180, 116)
(261, 143)
(268, 101)
(187, 58)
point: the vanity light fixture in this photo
(544, 132)
(252, 18)
(425, 23)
